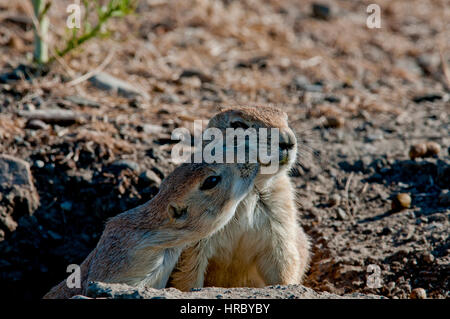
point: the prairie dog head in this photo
(257, 118)
(196, 200)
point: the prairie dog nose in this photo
(287, 140)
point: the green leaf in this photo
(113, 9)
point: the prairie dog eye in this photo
(238, 124)
(210, 182)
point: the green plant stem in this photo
(103, 17)
(76, 42)
(41, 31)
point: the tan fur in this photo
(140, 247)
(263, 244)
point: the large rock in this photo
(18, 195)
(121, 291)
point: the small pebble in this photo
(428, 149)
(433, 149)
(107, 82)
(321, 11)
(36, 125)
(332, 99)
(373, 137)
(428, 258)
(401, 201)
(427, 98)
(302, 83)
(385, 231)
(29, 107)
(334, 122)
(67, 206)
(418, 293)
(149, 177)
(444, 197)
(334, 200)
(417, 150)
(152, 129)
(391, 285)
(39, 164)
(187, 73)
(79, 100)
(341, 214)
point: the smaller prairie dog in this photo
(140, 247)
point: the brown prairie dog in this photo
(141, 246)
(263, 244)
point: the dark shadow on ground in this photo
(76, 198)
(423, 179)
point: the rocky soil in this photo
(120, 291)
(73, 154)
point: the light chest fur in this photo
(156, 271)
(233, 251)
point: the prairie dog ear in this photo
(219, 119)
(220, 108)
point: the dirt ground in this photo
(358, 99)
(120, 291)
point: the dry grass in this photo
(374, 70)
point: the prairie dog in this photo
(141, 246)
(263, 244)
